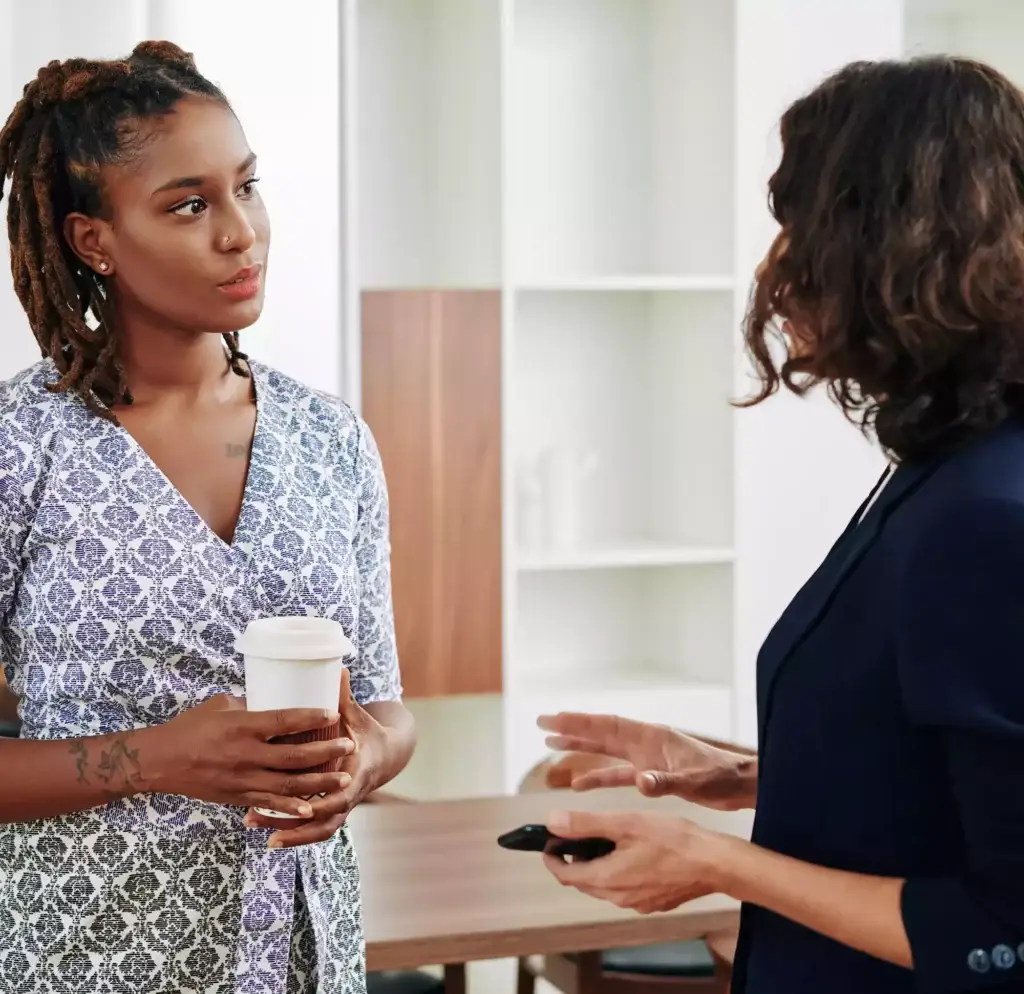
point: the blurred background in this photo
(518, 236)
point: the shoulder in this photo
(28, 411)
(24, 398)
(30, 415)
(991, 469)
(959, 620)
(960, 541)
(959, 592)
(324, 422)
(976, 532)
(971, 504)
(306, 409)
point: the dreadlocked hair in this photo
(73, 118)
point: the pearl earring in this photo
(104, 267)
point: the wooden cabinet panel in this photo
(431, 370)
(397, 346)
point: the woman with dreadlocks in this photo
(158, 490)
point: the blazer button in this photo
(979, 961)
(1003, 957)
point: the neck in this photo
(162, 363)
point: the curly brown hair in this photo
(900, 261)
(74, 118)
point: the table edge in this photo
(406, 954)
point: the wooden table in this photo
(438, 889)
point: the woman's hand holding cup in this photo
(220, 752)
(368, 739)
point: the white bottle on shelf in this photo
(564, 475)
(531, 526)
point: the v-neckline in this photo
(254, 452)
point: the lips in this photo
(250, 272)
(244, 285)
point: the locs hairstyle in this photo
(73, 118)
(900, 260)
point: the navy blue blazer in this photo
(891, 732)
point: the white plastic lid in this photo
(297, 637)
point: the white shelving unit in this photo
(619, 231)
(636, 383)
(621, 139)
(621, 556)
(582, 156)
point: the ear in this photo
(88, 238)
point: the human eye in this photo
(193, 207)
(248, 188)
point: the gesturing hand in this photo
(219, 752)
(358, 777)
(655, 758)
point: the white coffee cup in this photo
(294, 662)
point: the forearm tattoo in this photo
(111, 764)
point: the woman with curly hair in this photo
(158, 491)
(888, 844)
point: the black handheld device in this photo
(536, 838)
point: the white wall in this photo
(32, 34)
(279, 64)
(801, 469)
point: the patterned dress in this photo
(119, 608)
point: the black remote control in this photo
(536, 838)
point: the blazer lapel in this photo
(814, 599)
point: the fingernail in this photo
(331, 716)
(305, 811)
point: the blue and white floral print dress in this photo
(119, 608)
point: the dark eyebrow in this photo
(186, 182)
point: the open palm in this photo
(656, 759)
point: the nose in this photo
(236, 233)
